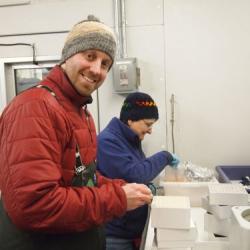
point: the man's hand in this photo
(137, 195)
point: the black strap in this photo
(47, 88)
(84, 175)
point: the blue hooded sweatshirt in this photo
(120, 156)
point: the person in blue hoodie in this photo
(120, 155)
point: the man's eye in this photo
(90, 56)
(106, 65)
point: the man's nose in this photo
(95, 67)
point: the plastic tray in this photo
(233, 174)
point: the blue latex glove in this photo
(174, 163)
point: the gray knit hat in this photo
(89, 34)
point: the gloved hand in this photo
(174, 163)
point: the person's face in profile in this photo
(142, 127)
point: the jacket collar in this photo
(120, 128)
(58, 77)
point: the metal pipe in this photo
(123, 29)
(120, 28)
(172, 101)
(117, 24)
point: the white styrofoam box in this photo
(194, 190)
(171, 212)
(207, 241)
(233, 194)
(172, 248)
(175, 248)
(168, 234)
(220, 211)
(215, 225)
(212, 245)
(175, 244)
(154, 247)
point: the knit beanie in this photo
(89, 34)
(138, 106)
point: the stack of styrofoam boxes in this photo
(218, 204)
(171, 217)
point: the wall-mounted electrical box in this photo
(126, 75)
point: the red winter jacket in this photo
(37, 158)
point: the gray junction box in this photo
(126, 75)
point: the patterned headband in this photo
(145, 103)
(127, 105)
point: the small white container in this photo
(175, 244)
(216, 226)
(171, 212)
(227, 194)
(166, 234)
(220, 211)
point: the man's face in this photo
(87, 70)
(142, 127)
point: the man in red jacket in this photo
(52, 197)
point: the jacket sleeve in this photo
(116, 160)
(31, 174)
(103, 180)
